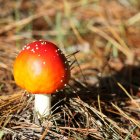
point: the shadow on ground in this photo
(106, 87)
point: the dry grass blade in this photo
(124, 50)
(10, 104)
(107, 121)
(20, 23)
(125, 91)
(137, 123)
(6, 100)
(117, 37)
(133, 20)
(25, 21)
(92, 130)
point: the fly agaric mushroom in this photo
(42, 69)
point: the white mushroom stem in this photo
(42, 104)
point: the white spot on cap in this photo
(38, 54)
(45, 50)
(56, 90)
(42, 43)
(24, 47)
(44, 62)
(65, 85)
(36, 45)
(61, 81)
(37, 48)
(32, 50)
(28, 47)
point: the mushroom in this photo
(42, 69)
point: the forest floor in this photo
(101, 39)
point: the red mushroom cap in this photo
(41, 67)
